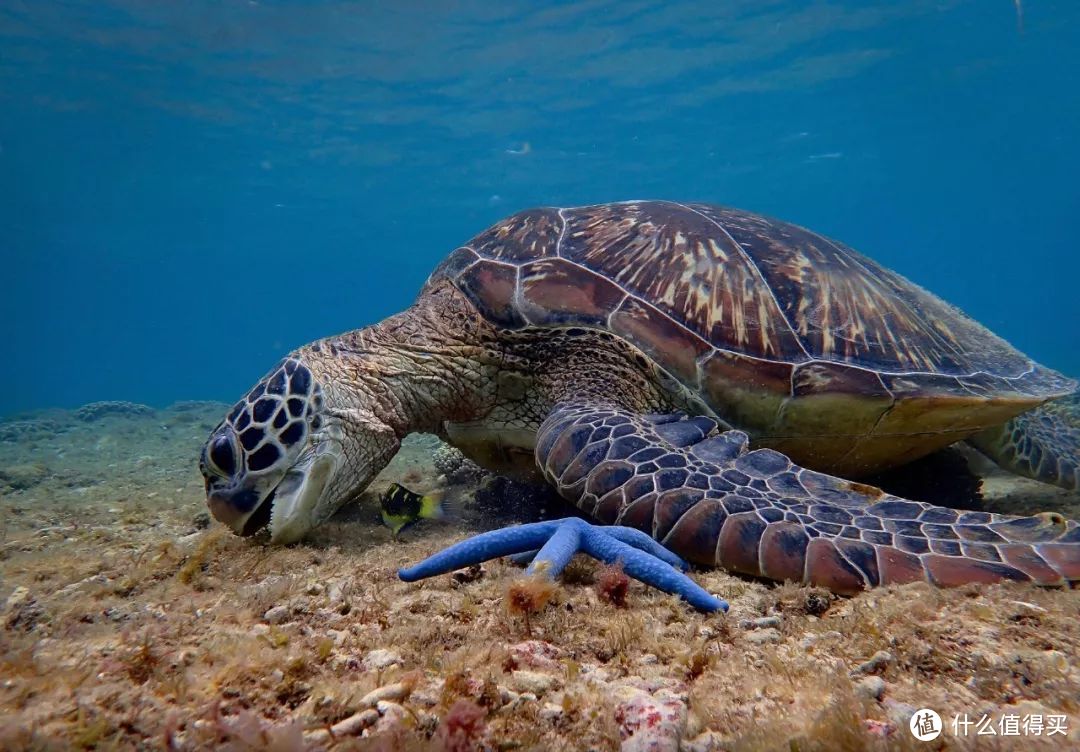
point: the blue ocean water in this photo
(191, 189)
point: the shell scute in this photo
(525, 236)
(492, 286)
(453, 265)
(660, 337)
(832, 378)
(554, 291)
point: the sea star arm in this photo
(642, 558)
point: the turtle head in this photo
(287, 456)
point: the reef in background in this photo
(130, 619)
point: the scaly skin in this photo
(1041, 444)
(703, 495)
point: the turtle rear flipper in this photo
(1043, 444)
(704, 496)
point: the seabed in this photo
(133, 621)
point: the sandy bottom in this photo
(131, 621)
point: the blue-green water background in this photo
(189, 189)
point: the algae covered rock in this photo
(649, 722)
(381, 658)
(450, 461)
(23, 476)
(21, 611)
(26, 430)
(98, 410)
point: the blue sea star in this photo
(558, 540)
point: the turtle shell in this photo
(810, 346)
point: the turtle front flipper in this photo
(704, 496)
(1043, 444)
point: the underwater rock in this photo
(450, 462)
(22, 477)
(98, 410)
(763, 636)
(551, 712)
(1026, 609)
(707, 741)
(762, 623)
(21, 611)
(26, 430)
(470, 574)
(18, 596)
(816, 602)
(98, 580)
(381, 658)
(391, 716)
(388, 693)
(812, 638)
(351, 726)
(647, 722)
(183, 406)
(515, 700)
(532, 681)
(879, 729)
(535, 654)
(196, 415)
(248, 731)
(871, 687)
(878, 661)
(276, 615)
(899, 712)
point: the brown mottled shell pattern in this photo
(785, 333)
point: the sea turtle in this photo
(632, 354)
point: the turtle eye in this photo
(222, 456)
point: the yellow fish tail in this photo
(431, 507)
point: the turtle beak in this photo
(226, 512)
(241, 508)
(296, 504)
